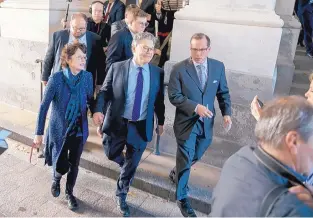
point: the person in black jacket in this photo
(119, 48)
(114, 10)
(96, 24)
(166, 22)
(78, 33)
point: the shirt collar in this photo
(145, 67)
(204, 64)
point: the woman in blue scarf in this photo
(71, 94)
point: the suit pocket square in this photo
(215, 81)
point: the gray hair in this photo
(199, 36)
(280, 116)
(142, 36)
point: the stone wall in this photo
(25, 30)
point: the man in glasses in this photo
(119, 48)
(129, 118)
(194, 84)
(77, 33)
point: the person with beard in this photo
(77, 33)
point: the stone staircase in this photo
(304, 66)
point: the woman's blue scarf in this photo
(73, 106)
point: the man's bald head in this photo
(78, 24)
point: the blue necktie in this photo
(138, 96)
(201, 75)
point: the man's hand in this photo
(159, 130)
(157, 51)
(98, 118)
(255, 108)
(158, 7)
(203, 111)
(99, 131)
(303, 194)
(63, 23)
(227, 123)
(105, 49)
(44, 82)
(37, 141)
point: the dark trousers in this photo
(188, 153)
(163, 57)
(69, 161)
(135, 146)
(308, 27)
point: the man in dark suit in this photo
(133, 90)
(148, 7)
(77, 33)
(119, 48)
(194, 84)
(129, 16)
(114, 10)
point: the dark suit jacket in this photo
(113, 93)
(119, 48)
(148, 7)
(117, 11)
(95, 54)
(118, 25)
(184, 91)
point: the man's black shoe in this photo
(122, 206)
(55, 189)
(185, 208)
(172, 176)
(71, 202)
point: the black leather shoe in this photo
(172, 176)
(122, 206)
(71, 202)
(55, 189)
(185, 208)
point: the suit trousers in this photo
(69, 159)
(135, 146)
(189, 152)
(308, 27)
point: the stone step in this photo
(297, 91)
(303, 62)
(301, 77)
(153, 170)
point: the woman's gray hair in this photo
(142, 36)
(280, 116)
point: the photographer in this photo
(283, 159)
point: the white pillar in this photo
(245, 35)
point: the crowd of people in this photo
(109, 54)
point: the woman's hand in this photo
(38, 141)
(255, 108)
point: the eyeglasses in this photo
(79, 29)
(81, 58)
(145, 24)
(147, 49)
(199, 49)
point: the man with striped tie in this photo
(134, 91)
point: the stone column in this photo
(25, 29)
(287, 48)
(245, 35)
